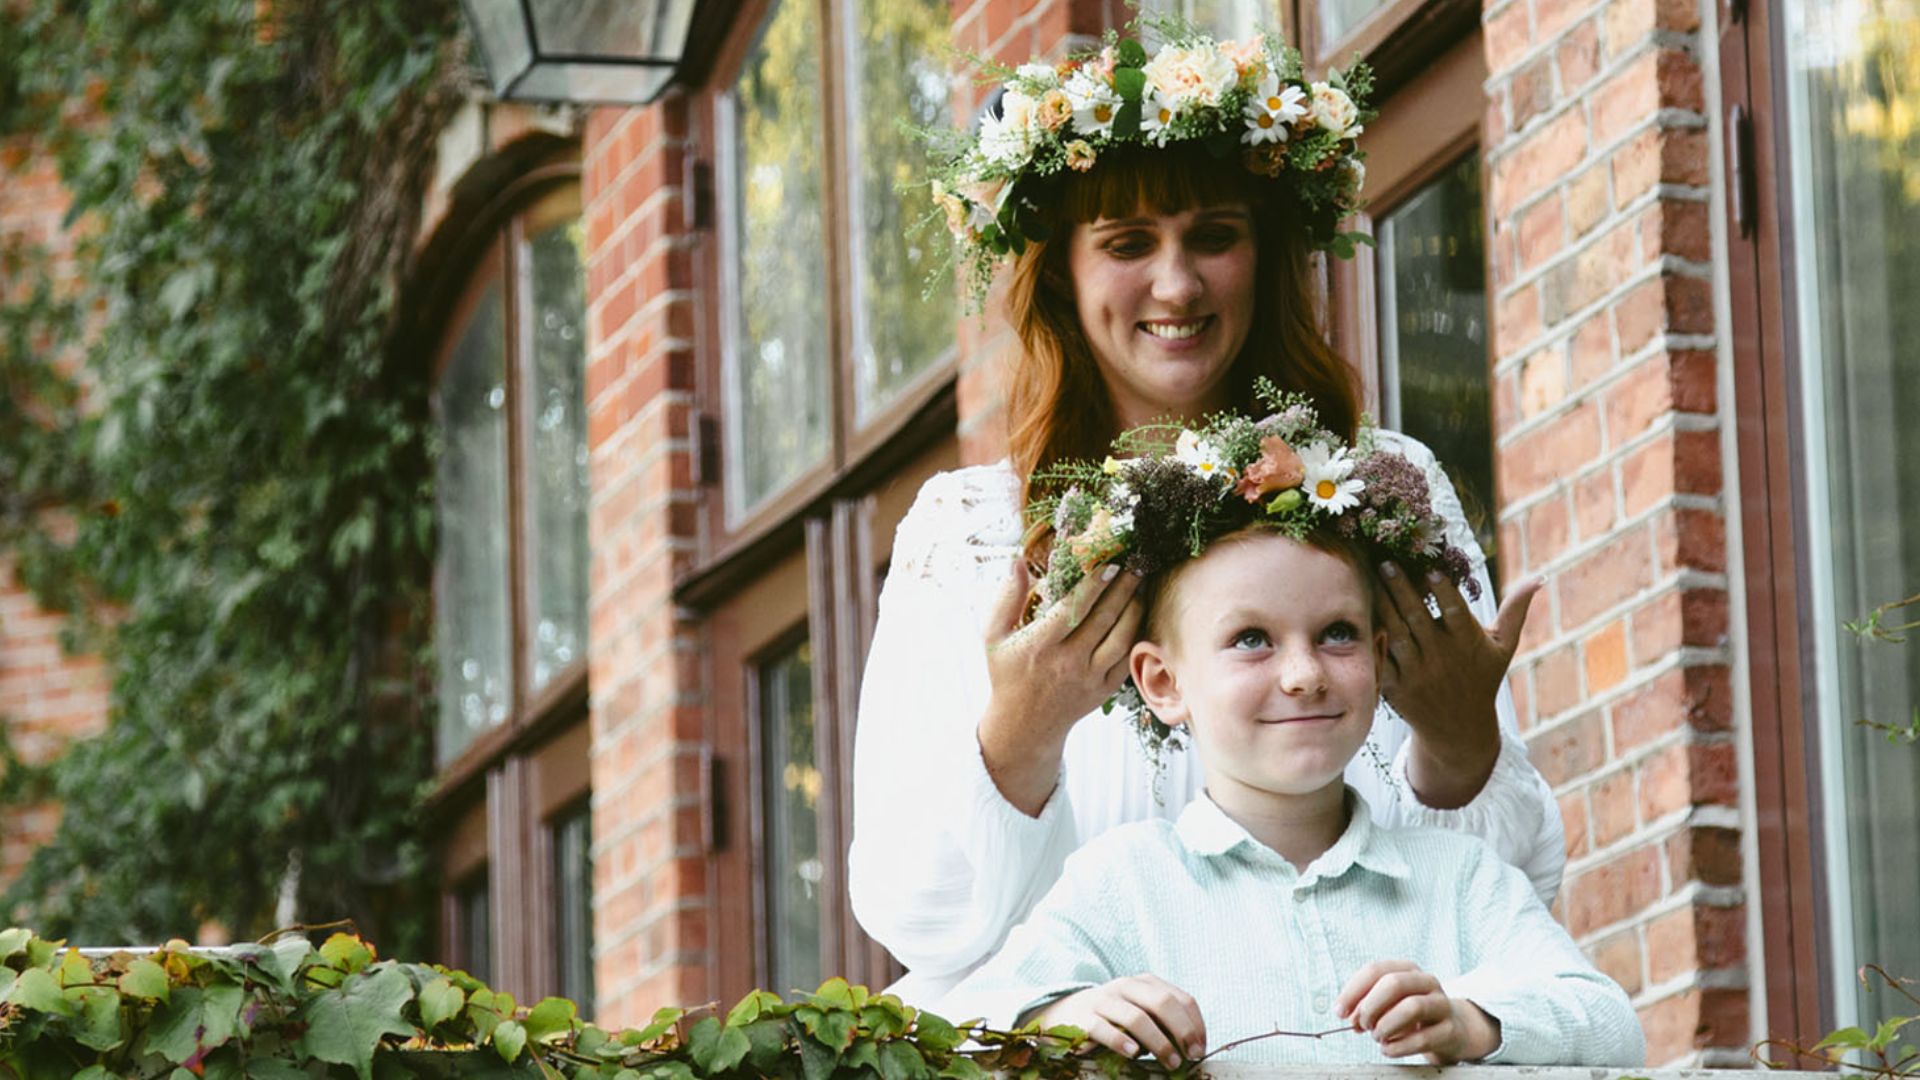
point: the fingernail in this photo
(1109, 573)
(1436, 576)
(1173, 1061)
(1128, 1048)
(1388, 570)
(1196, 1050)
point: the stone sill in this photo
(1230, 1071)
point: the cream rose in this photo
(1333, 110)
(1195, 76)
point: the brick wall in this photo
(1612, 487)
(46, 696)
(650, 875)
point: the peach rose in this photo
(1055, 109)
(1080, 155)
(1277, 469)
(1096, 543)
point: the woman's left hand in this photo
(1442, 676)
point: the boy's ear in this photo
(1155, 680)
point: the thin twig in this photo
(1274, 1034)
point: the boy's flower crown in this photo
(1247, 99)
(1180, 488)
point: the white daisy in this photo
(1156, 118)
(1330, 483)
(1271, 111)
(1008, 139)
(1042, 75)
(1094, 103)
(1201, 456)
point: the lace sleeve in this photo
(941, 865)
(1515, 812)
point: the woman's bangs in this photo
(1139, 180)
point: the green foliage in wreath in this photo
(286, 1009)
(211, 455)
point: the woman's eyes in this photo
(1132, 246)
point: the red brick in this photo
(1663, 383)
(1628, 21)
(1591, 350)
(1697, 697)
(1572, 749)
(1694, 938)
(1692, 1020)
(1573, 815)
(1709, 855)
(1613, 808)
(1618, 958)
(1618, 571)
(1690, 540)
(1542, 229)
(1578, 56)
(1676, 227)
(1517, 320)
(1552, 452)
(1506, 402)
(1542, 381)
(1550, 17)
(1522, 700)
(1532, 92)
(1548, 524)
(1640, 314)
(1677, 618)
(1539, 161)
(1595, 508)
(1605, 656)
(1613, 891)
(1592, 273)
(1507, 36)
(1556, 682)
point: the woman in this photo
(1151, 277)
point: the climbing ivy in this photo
(214, 456)
(283, 1008)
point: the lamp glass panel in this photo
(616, 29)
(500, 29)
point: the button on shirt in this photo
(1262, 946)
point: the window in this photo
(826, 330)
(1855, 186)
(512, 482)
(790, 798)
(1432, 290)
(511, 600)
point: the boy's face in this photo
(1271, 659)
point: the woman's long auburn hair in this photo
(1058, 406)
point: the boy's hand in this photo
(1137, 1011)
(1407, 1013)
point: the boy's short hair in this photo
(1160, 590)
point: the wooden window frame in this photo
(1770, 446)
(921, 410)
(496, 797)
(1398, 41)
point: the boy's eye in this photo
(1250, 639)
(1341, 633)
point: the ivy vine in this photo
(212, 457)
(283, 1009)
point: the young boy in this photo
(1274, 902)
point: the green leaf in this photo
(963, 1068)
(1851, 1038)
(702, 1040)
(663, 1020)
(145, 980)
(1131, 85)
(440, 1001)
(347, 952)
(1883, 1037)
(730, 1050)
(816, 1061)
(1126, 122)
(901, 1061)
(509, 1038)
(769, 1043)
(282, 960)
(93, 1072)
(13, 941)
(345, 1026)
(865, 1054)
(552, 1016)
(36, 990)
(751, 1008)
(934, 1033)
(1131, 53)
(98, 1026)
(835, 992)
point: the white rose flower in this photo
(1009, 138)
(1039, 74)
(1094, 103)
(1194, 76)
(1333, 110)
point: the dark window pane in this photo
(1338, 18)
(1433, 334)
(473, 905)
(791, 798)
(573, 906)
(473, 619)
(557, 454)
(902, 65)
(777, 378)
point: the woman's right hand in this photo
(1049, 674)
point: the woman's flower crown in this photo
(1247, 99)
(1179, 488)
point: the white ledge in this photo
(1230, 1071)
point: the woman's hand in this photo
(1442, 676)
(1139, 1011)
(1407, 1013)
(1049, 674)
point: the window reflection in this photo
(1435, 383)
(473, 620)
(778, 384)
(790, 797)
(573, 906)
(557, 461)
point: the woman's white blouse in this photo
(942, 866)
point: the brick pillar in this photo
(47, 697)
(1612, 487)
(650, 879)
